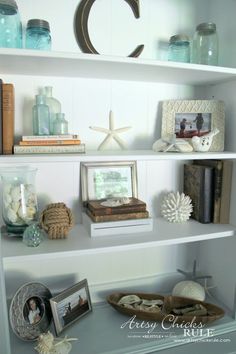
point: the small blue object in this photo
(179, 49)
(38, 35)
(33, 235)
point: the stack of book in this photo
(50, 144)
(208, 184)
(135, 209)
(7, 112)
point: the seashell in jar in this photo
(15, 206)
(31, 199)
(7, 188)
(27, 213)
(129, 299)
(11, 215)
(7, 199)
(16, 193)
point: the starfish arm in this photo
(104, 143)
(98, 129)
(122, 130)
(111, 121)
(119, 141)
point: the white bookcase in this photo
(88, 86)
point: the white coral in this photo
(176, 207)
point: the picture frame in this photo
(103, 180)
(188, 118)
(30, 312)
(70, 305)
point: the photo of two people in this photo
(188, 125)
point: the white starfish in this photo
(111, 133)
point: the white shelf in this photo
(79, 242)
(103, 325)
(30, 62)
(127, 155)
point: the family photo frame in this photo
(188, 118)
(70, 305)
(30, 312)
(104, 180)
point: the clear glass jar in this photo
(38, 35)
(60, 125)
(41, 116)
(10, 25)
(205, 45)
(53, 104)
(179, 48)
(19, 207)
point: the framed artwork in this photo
(70, 305)
(30, 312)
(189, 118)
(103, 180)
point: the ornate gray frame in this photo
(215, 107)
(22, 328)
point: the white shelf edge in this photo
(67, 64)
(84, 245)
(142, 155)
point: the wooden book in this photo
(218, 176)
(0, 116)
(198, 185)
(8, 118)
(134, 206)
(118, 217)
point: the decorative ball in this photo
(189, 289)
(176, 207)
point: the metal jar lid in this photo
(179, 38)
(37, 23)
(206, 27)
(9, 3)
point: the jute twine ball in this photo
(57, 220)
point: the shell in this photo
(189, 289)
(203, 143)
(176, 207)
(45, 343)
(16, 193)
(129, 299)
(15, 206)
(27, 213)
(7, 199)
(11, 215)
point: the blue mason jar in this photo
(38, 35)
(179, 48)
(10, 25)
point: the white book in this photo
(50, 137)
(51, 149)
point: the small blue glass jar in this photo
(10, 25)
(38, 35)
(179, 48)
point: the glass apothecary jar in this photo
(10, 25)
(205, 45)
(19, 207)
(38, 35)
(60, 125)
(179, 48)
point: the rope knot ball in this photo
(57, 220)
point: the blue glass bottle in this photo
(60, 125)
(38, 35)
(41, 116)
(10, 25)
(179, 49)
